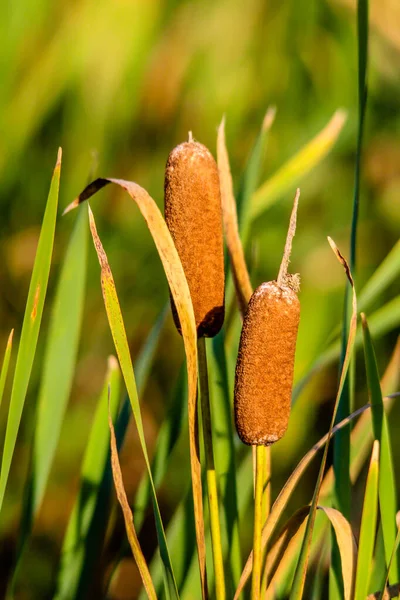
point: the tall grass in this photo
(315, 529)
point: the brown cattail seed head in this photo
(194, 218)
(264, 368)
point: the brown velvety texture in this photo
(194, 218)
(264, 368)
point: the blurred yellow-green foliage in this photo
(119, 83)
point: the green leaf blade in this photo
(5, 365)
(387, 482)
(81, 541)
(60, 357)
(368, 527)
(31, 326)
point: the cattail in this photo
(265, 363)
(194, 218)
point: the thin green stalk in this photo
(266, 507)
(258, 523)
(341, 450)
(211, 474)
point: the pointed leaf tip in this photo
(269, 118)
(59, 157)
(71, 206)
(112, 363)
(10, 338)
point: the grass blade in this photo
(86, 526)
(128, 518)
(344, 536)
(387, 272)
(286, 493)
(347, 547)
(383, 320)
(31, 326)
(118, 332)
(290, 174)
(181, 295)
(361, 442)
(240, 273)
(368, 527)
(396, 545)
(225, 457)
(60, 358)
(167, 439)
(5, 365)
(211, 475)
(387, 483)
(341, 450)
(301, 568)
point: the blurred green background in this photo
(119, 84)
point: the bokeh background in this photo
(118, 84)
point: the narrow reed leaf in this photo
(361, 443)
(362, 37)
(344, 536)
(387, 272)
(290, 174)
(168, 436)
(387, 482)
(143, 364)
(180, 292)
(286, 493)
(368, 527)
(347, 547)
(341, 449)
(394, 551)
(128, 517)
(118, 332)
(225, 458)
(290, 534)
(86, 527)
(361, 435)
(301, 568)
(5, 365)
(211, 476)
(31, 325)
(59, 360)
(240, 273)
(383, 320)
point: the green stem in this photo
(258, 523)
(210, 471)
(266, 504)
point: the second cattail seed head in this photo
(265, 363)
(193, 216)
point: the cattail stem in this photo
(266, 504)
(258, 524)
(210, 471)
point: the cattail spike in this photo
(194, 217)
(265, 363)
